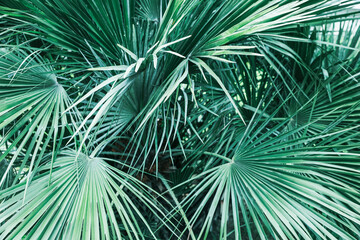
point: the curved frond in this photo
(86, 198)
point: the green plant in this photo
(174, 119)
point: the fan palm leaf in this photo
(85, 193)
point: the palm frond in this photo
(31, 105)
(85, 193)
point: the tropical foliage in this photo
(179, 119)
